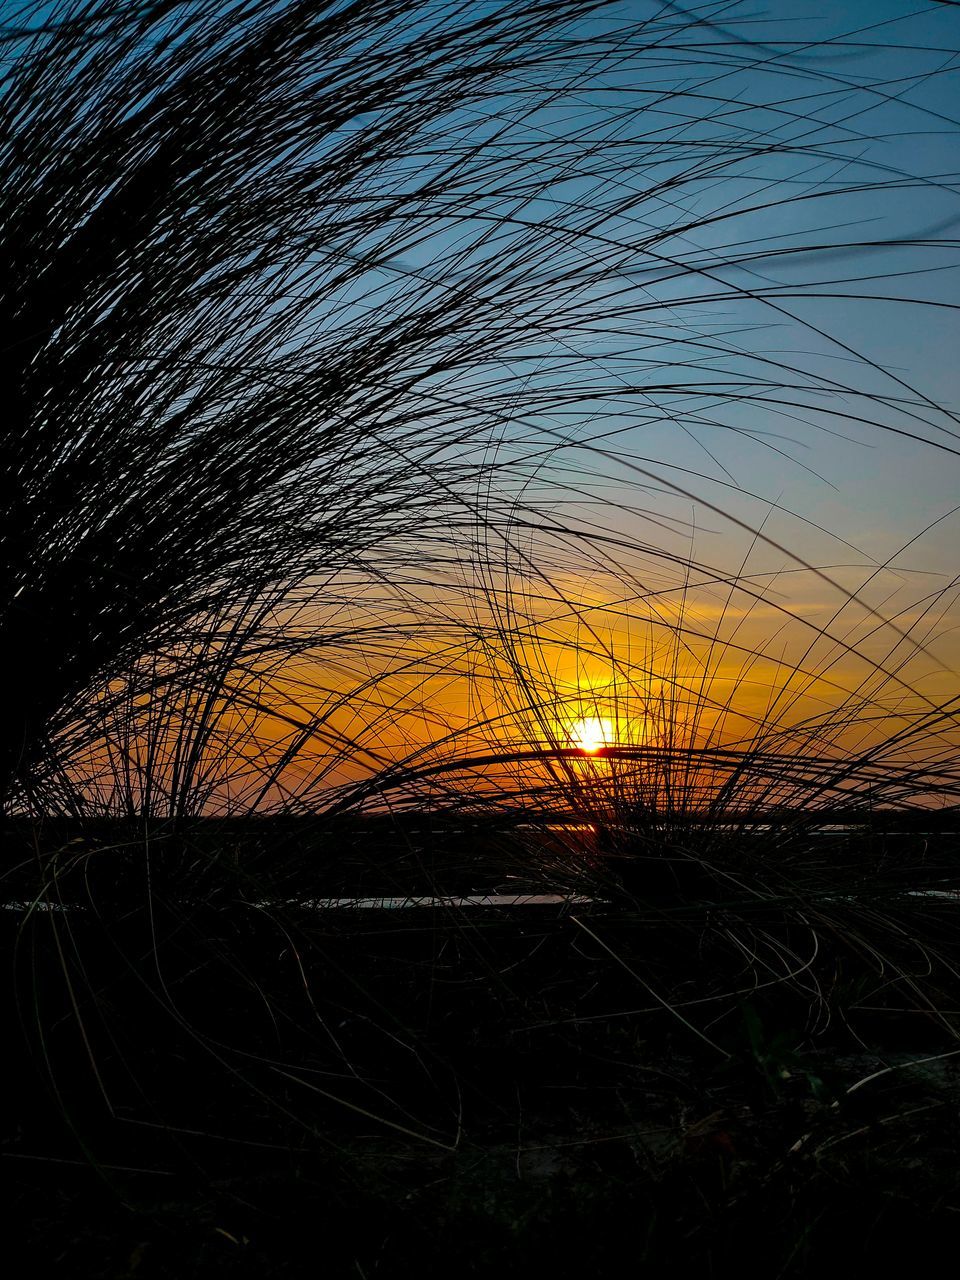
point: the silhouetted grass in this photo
(371, 372)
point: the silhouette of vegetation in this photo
(378, 378)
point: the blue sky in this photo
(683, 244)
(859, 106)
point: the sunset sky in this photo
(720, 394)
(627, 380)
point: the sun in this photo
(592, 734)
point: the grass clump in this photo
(379, 376)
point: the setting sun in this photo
(592, 734)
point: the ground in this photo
(628, 1086)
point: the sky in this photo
(710, 306)
(692, 289)
(783, 380)
(760, 371)
(695, 357)
(900, 134)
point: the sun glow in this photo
(592, 734)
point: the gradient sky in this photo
(863, 170)
(887, 488)
(744, 214)
(876, 110)
(684, 245)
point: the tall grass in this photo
(319, 313)
(231, 362)
(372, 371)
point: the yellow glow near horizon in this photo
(592, 734)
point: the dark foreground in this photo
(722, 1074)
